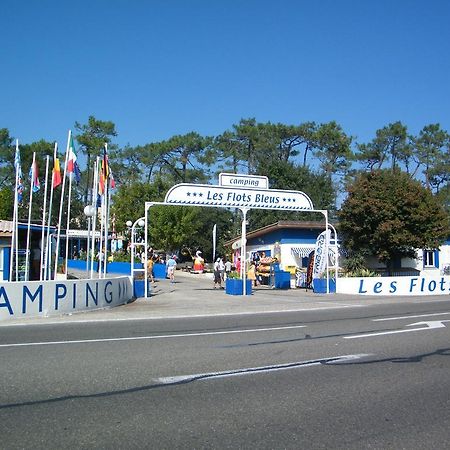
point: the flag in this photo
(104, 172)
(320, 256)
(105, 165)
(112, 182)
(19, 185)
(34, 177)
(76, 172)
(56, 172)
(101, 182)
(72, 157)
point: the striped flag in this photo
(34, 177)
(19, 184)
(56, 172)
(72, 157)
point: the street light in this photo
(137, 223)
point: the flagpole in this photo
(61, 205)
(105, 170)
(27, 256)
(15, 218)
(102, 213)
(13, 236)
(43, 220)
(47, 263)
(94, 222)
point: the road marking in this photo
(428, 326)
(63, 320)
(257, 370)
(163, 336)
(411, 317)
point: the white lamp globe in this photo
(89, 210)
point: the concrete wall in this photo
(419, 285)
(54, 298)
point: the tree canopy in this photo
(316, 158)
(388, 215)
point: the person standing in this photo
(171, 265)
(228, 267)
(222, 270)
(217, 273)
(100, 259)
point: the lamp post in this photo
(137, 223)
(89, 212)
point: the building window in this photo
(430, 258)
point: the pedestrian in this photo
(228, 267)
(150, 273)
(238, 264)
(251, 273)
(171, 265)
(217, 273)
(100, 259)
(222, 269)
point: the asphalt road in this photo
(370, 377)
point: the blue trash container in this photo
(139, 288)
(235, 286)
(282, 279)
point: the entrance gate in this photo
(244, 192)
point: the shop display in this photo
(265, 270)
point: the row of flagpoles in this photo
(103, 182)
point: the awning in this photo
(302, 252)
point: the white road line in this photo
(411, 317)
(264, 369)
(428, 326)
(163, 336)
(65, 321)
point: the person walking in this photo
(251, 273)
(171, 265)
(150, 273)
(218, 273)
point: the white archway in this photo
(244, 192)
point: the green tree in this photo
(389, 215)
(429, 150)
(6, 203)
(7, 151)
(288, 176)
(92, 138)
(389, 144)
(183, 158)
(333, 149)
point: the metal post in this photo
(244, 250)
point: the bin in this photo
(320, 285)
(282, 280)
(139, 288)
(159, 271)
(235, 286)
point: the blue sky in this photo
(160, 68)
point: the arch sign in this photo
(237, 197)
(240, 191)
